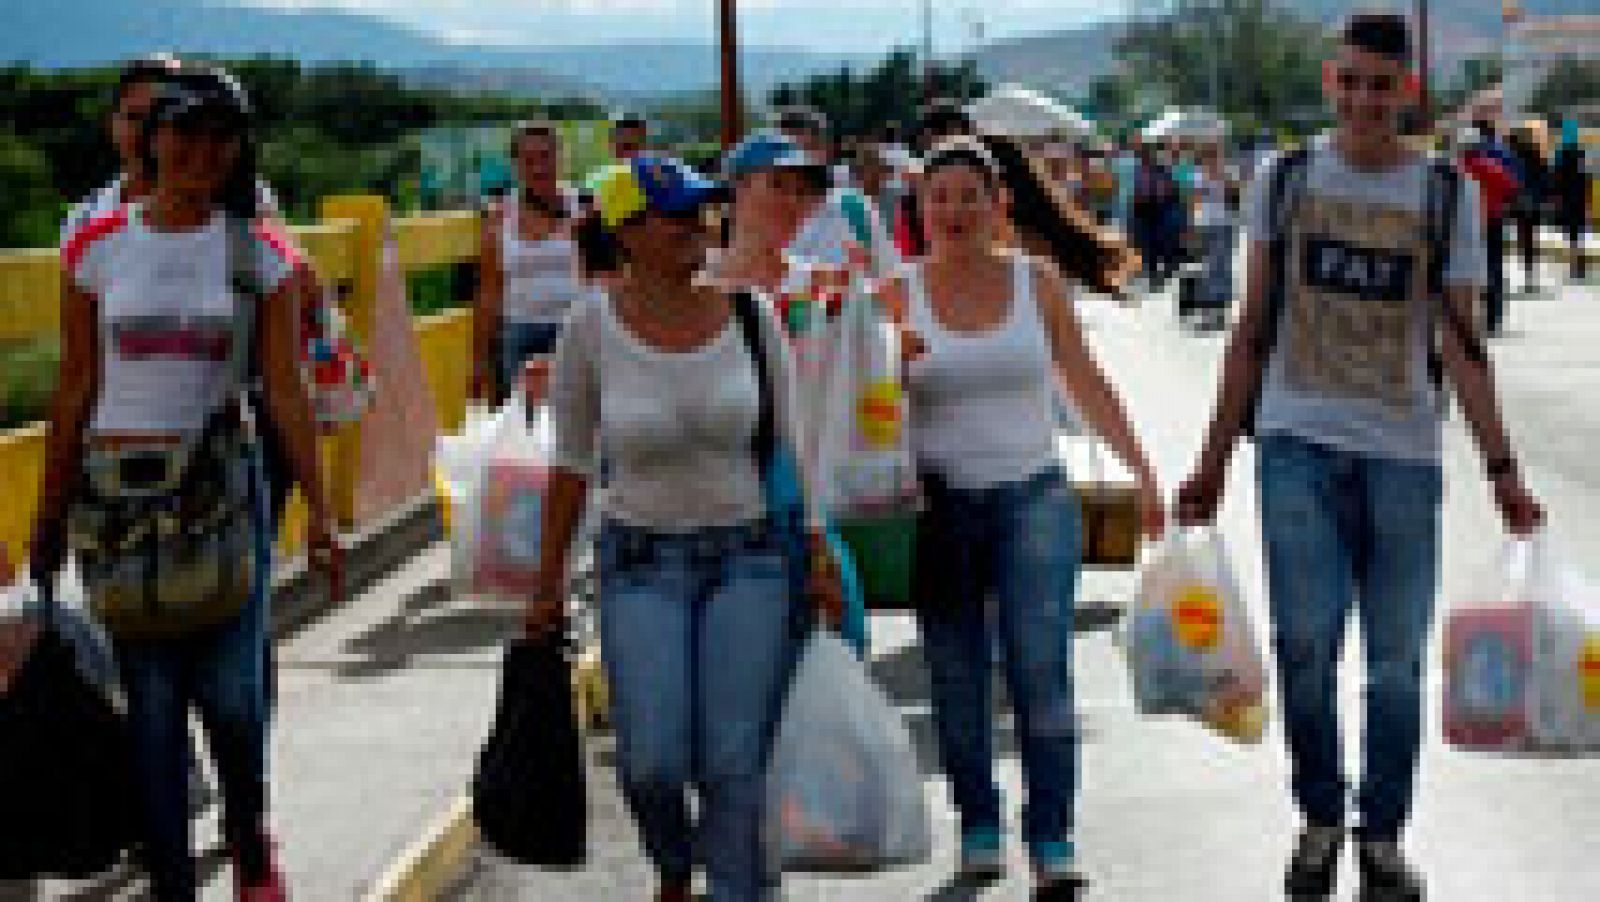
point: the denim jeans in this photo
(699, 634)
(518, 343)
(1346, 531)
(222, 674)
(1022, 544)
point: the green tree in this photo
(25, 183)
(860, 104)
(1254, 61)
(1572, 83)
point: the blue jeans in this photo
(699, 634)
(222, 673)
(1022, 544)
(1346, 531)
(1216, 282)
(518, 343)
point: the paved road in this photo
(1170, 812)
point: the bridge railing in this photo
(346, 247)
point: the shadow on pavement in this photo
(419, 629)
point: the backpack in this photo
(165, 533)
(1285, 187)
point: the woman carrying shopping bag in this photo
(998, 331)
(172, 307)
(697, 616)
(529, 272)
(774, 185)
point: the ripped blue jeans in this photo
(1020, 544)
(699, 634)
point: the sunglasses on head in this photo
(1381, 83)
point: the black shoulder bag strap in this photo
(1443, 202)
(1283, 196)
(766, 437)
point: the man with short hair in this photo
(630, 136)
(1365, 267)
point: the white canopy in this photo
(1018, 112)
(1189, 124)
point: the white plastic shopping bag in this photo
(843, 789)
(1522, 663)
(1192, 649)
(497, 473)
(864, 460)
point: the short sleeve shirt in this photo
(1350, 366)
(167, 315)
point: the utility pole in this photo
(1424, 76)
(927, 50)
(728, 35)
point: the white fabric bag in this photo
(844, 793)
(1191, 646)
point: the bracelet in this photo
(1501, 467)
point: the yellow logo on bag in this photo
(1197, 617)
(1589, 672)
(879, 413)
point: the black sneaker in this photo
(1314, 869)
(1386, 876)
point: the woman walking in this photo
(688, 389)
(529, 271)
(1215, 194)
(998, 333)
(1527, 211)
(172, 306)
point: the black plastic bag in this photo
(528, 794)
(67, 789)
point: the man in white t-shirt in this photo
(1347, 331)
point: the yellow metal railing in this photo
(346, 248)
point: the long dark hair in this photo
(1080, 247)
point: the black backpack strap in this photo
(1283, 196)
(766, 437)
(1443, 204)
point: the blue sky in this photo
(849, 25)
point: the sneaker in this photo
(1055, 871)
(1386, 876)
(268, 884)
(983, 855)
(1314, 869)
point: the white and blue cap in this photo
(765, 150)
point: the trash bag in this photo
(1191, 647)
(67, 785)
(528, 791)
(1522, 663)
(844, 793)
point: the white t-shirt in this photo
(109, 198)
(167, 313)
(1350, 366)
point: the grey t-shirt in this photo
(677, 427)
(1350, 365)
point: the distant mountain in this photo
(67, 33)
(1068, 61)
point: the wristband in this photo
(1501, 467)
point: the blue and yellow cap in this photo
(649, 183)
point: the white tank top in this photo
(167, 313)
(983, 408)
(542, 278)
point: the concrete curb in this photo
(443, 856)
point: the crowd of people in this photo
(647, 291)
